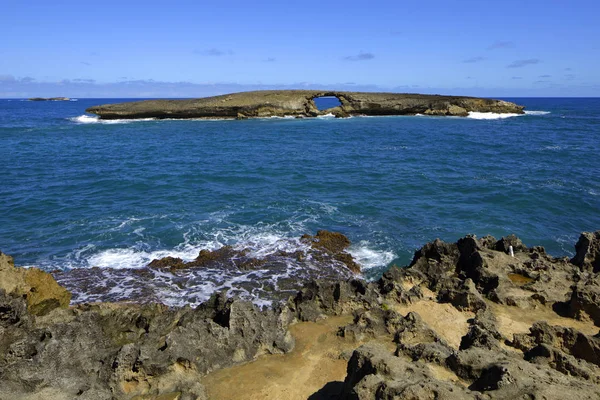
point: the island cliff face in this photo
(300, 103)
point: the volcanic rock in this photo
(300, 103)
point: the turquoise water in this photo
(79, 193)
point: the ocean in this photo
(95, 201)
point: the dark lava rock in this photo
(568, 340)
(588, 251)
(374, 373)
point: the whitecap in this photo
(326, 116)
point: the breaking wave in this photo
(121, 274)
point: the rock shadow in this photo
(331, 391)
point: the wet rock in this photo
(225, 257)
(331, 245)
(167, 262)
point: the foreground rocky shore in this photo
(300, 103)
(464, 320)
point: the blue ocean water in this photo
(78, 193)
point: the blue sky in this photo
(193, 48)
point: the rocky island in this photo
(300, 103)
(49, 99)
(477, 319)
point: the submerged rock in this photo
(325, 247)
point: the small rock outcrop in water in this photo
(49, 99)
(325, 247)
(300, 103)
(466, 320)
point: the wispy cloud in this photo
(214, 52)
(570, 77)
(523, 63)
(84, 80)
(545, 76)
(7, 78)
(396, 33)
(501, 45)
(568, 69)
(86, 63)
(473, 60)
(516, 77)
(270, 59)
(360, 57)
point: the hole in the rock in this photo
(325, 102)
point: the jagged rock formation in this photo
(300, 103)
(467, 321)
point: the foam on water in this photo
(537, 112)
(122, 274)
(369, 258)
(88, 119)
(490, 115)
(326, 116)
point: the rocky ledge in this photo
(477, 319)
(300, 103)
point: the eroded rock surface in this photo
(300, 103)
(465, 320)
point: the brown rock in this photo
(39, 288)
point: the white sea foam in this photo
(135, 258)
(326, 116)
(369, 258)
(88, 119)
(490, 115)
(537, 112)
(284, 117)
